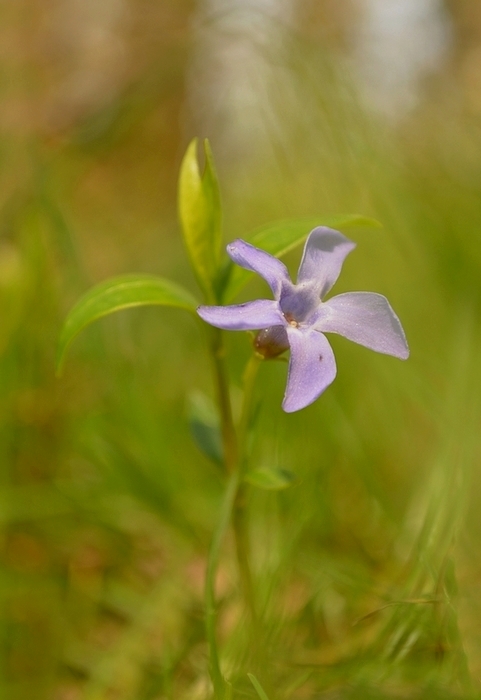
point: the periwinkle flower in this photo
(297, 317)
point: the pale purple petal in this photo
(253, 315)
(312, 368)
(365, 318)
(267, 266)
(324, 254)
(298, 302)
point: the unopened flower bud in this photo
(271, 342)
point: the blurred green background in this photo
(368, 570)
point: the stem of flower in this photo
(230, 452)
(233, 505)
(242, 545)
(218, 681)
(229, 438)
(239, 515)
(250, 375)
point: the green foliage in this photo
(204, 426)
(280, 238)
(120, 293)
(270, 478)
(201, 217)
(366, 574)
(258, 687)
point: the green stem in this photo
(239, 522)
(250, 375)
(220, 686)
(230, 451)
(229, 438)
(233, 505)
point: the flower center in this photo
(298, 302)
(291, 320)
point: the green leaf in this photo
(270, 478)
(281, 237)
(204, 426)
(201, 217)
(116, 294)
(260, 690)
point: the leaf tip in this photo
(259, 689)
(209, 157)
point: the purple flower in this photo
(298, 317)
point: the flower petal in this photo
(312, 367)
(267, 266)
(324, 254)
(299, 301)
(365, 318)
(253, 315)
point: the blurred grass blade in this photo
(270, 478)
(201, 217)
(204, 427)
(281, 237)
(120, 293)
(257, 686)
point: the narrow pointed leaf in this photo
(121, 293)
(281, 237)
(259, 689)
(201, 217)
(271, 478)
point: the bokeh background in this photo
(368, 570)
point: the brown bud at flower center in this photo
(271, 342)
